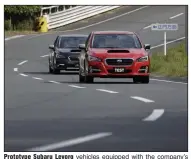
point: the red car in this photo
(114, 54)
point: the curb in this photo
(14, 37)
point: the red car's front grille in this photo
(119, 61)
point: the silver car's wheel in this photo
(50, 68)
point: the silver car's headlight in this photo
(144, 58)
(92, 58)
(60, 56)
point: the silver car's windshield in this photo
(71, 42)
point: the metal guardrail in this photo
(55, 9)
(70, 14)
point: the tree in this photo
(23, 10)
(20, 16)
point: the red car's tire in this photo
(145, 79)
(136, 79)
(141, 79)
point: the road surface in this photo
(45, 112)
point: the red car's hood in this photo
(133, 53)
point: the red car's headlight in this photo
(93, 58)
(142, 59)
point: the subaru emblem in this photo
(119, 60)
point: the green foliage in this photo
(20, 17)
(21, 10)
(175, 63)
(7, 25)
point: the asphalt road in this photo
(109, 115)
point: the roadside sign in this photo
(164, 27)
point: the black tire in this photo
(56, 71)
(136, 79)
(145, 79)
(81, 78)
(141, 79)
(89, 79)
(50, 69)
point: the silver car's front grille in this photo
(73, 58)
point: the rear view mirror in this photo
(51, 47)
(82, 46)
(147, 46)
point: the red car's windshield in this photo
(115, 41)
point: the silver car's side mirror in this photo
(51, 47)
(82, 46)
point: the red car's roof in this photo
(113, 32)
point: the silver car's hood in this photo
(68, 50)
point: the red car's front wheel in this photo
(141, 79)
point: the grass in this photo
(174, 64)
(12, 33)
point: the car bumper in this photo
(100, 69)
(64, 63)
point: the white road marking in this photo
(76, 86)
(15, 69)
(71, 142)
(22, 74)
(147, 27)
(23, 62)
(157, 113)
(54, 82)
(176, 16)
(13, 37)
(167, 81)
(168, 42)
(44, 56)
(108, 91)
(157, 76)
(142, 99)
(37, 78)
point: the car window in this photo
(87, 41)
(71, 42)
(56, 41)
(116, 41)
